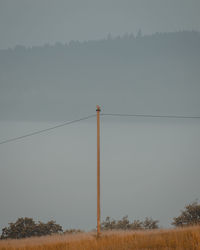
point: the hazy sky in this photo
(149, 167)
(35, 22)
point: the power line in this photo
(151, 116)
(47, 129)
(103, 114)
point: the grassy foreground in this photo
(185, 238)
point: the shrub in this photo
(149, 223)
(73, 231)
(125, 224)
(26, 227)
(189, 216)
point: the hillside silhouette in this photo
(154, 74)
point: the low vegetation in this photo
(116, 235)
(27, 227)
(125, 224)
(176, 239)
(73, 231)
(189, 216)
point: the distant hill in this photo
(157, 74)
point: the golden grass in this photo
(179, 239)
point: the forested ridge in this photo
(129, 73)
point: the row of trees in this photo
(27, 227)
(189, 216)
(125, 224)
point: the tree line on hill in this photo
(27, 227)
(45, 82)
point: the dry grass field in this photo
(185, 238)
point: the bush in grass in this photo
(125, 224)
(27, 227)
(189, 216)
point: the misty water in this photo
(149, 167)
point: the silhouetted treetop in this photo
(189, 216)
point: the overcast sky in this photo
(35, 22)
(149, 167)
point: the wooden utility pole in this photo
(98, 110)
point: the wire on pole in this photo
(45, 130)
(151, 116)
(103, 114)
